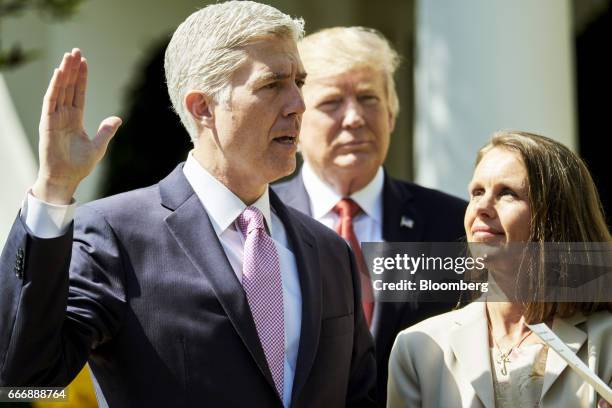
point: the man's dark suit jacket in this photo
(142, 288)
(438, 217)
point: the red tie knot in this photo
(347, 208)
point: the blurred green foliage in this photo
(14, 55)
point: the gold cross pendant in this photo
(502, 360)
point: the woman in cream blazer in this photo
(527, 189)
(444, 362)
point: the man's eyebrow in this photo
(278, 76)
(365, 87)
(273, 76)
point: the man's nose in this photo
(296, 105)
(353, 115)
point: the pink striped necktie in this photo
(261, 279)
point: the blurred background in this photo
(469, 68)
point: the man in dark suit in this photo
(351, 106)
(203, 288)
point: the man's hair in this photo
(333, 51)
(565, 208)
(208, 47)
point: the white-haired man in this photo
(201, 289)
(351, 107)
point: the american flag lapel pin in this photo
(406, 222)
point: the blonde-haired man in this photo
(351, 108)
(203, 288)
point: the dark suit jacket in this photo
(438, 217)
(144, 291)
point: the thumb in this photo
(107, 129)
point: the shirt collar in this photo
(222, 206)
(323, 197)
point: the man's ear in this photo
(391, 123)
(201, 107)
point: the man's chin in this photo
(354, 162)
(283, 170)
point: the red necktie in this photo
(347, 209)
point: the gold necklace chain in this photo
(504, 358)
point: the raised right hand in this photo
(66, 154)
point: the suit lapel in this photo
(294, 194)
(470, 344)
(377, 313)
(567, 331)
(401, 221)
(400, 224)
(192, 229)
(305, 250)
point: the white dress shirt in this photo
(223, 207)
(46, 220)
(323, 198)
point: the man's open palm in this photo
(66, 153)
